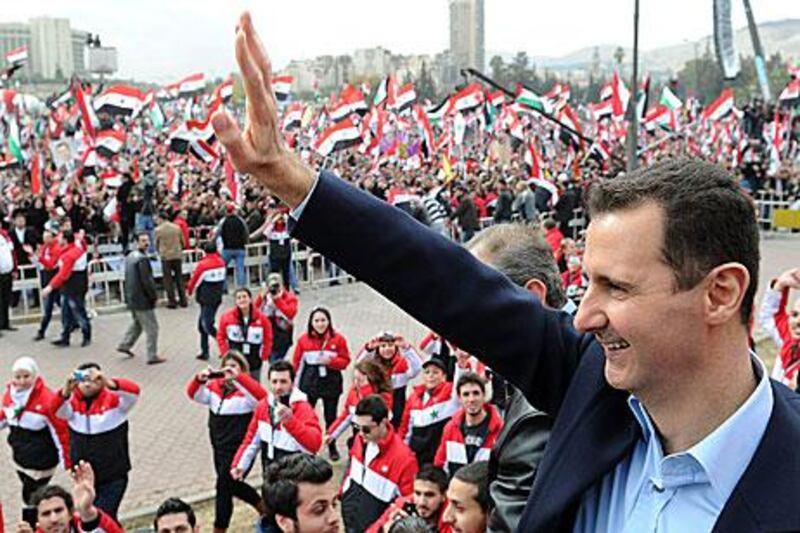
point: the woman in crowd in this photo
(245, 329)
(39, 441)
(231, 396)
(401, 363)
(320, 355)
(369, 377)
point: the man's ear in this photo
(285, 523)
(538, 288)
(726, 286)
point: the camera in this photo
(274, 289)
(216, 374)
(410, 509)
(81, 375)
(31, 516)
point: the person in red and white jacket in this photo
(428, 501)
(208, 279)
(243, 328)
(320, 355)
(39, 440)
(46, 259)
(8, 270)
(782, 326)
(58, 511)
(279, 305)
(428, 409)
(474, 428)
(368, 378)
(96, 408)
(72, 279)
(400, 361)
(282, 424)
(382, 467)
(231, 400)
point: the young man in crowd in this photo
(47, 257)
(279, 305)
(470, 435)
(381, 467)
(283, 423)
(58, 511)
(96, 409)
(300, 495)
(468, 499)
(427, 502)
(208, 280)
(175, 516)
(170, 245)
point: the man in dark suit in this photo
(25, 240)
(664, 420)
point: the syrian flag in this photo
(600, 151)
(292, 117)
(661, 116)
(203, 151)
(532, 160)
(719, 107)
(191, 85)
(174, 180)
(111, 178)
(425, 131)
(404, 99)
(109, 143)
(437, 113)
(14, 144)
(63, 98)
(120, 100)
(512, 124)
(88, 166)
(88, 116)
(791, 91)
(569, 118)
(467, 99)
(190, 131)
(17, 56)
(496, 98)
(36, 174)
(602, 110)
(530, 100)
(547, 185)
(619, 95)
(643, 99)
(669, 99)
(557, 97)
(386, 89)
(282, 86)
(224, 91)
(351, 101)
(338, 137)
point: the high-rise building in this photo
(467, 34)
(54, 49)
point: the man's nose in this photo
(590, 315)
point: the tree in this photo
(498, 69)
(424, 85)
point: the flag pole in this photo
(489, 81)
(633, 115)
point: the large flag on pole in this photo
(719, 107)
(17, 56)
(14, 144)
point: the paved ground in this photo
(169, 441)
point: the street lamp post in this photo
(633, 116)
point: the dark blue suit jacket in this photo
(558, 369)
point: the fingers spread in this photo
(251, 77)
(230, 136)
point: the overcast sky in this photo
(164, 40)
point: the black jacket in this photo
(140, 287)
(233, 232)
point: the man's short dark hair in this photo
(282, 479)
(433, 474)
(69, 235)
(140, 233)
(88, 366)
(521, 253)
(53, 491)
(410, 524)
(476, 474)
(209, 247)
(708, 221)
(281, 366)
(373, 406)
(175, 506)
(470, 377)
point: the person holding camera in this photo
(54, 510)
(427, 502)
(208, 280)
(39, 440)
(96, 409)
(231, 396)
(382, 467)
(279, 304)
(401, 363)
(368, 378)
(282, 424)
(320, 355)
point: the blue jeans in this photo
(238, 257)
(146, 223)
(53, 299)
(206, 327)
(109, 496)
(73, 313)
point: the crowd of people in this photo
(445, 433)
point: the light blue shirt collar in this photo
(723, 455)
